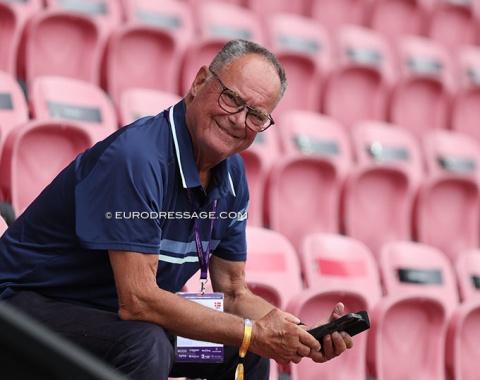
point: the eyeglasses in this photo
(232, 103)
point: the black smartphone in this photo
(352, 324)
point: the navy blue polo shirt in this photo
(128, 192)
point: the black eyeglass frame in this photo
(245, 105)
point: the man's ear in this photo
(200, 80)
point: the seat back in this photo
(10, 34)
(359, 85)
(267, 7)
(421, 95)
(272, 267)
(412, 268)
(34, 153)
(158, 68)
(380, 190)
(73, 99)
(452, 23)
(62, 43)
(334, 262)
(446, 213)
(138, 102)
(336, 13)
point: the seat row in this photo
(351, 74)
(376, 184)
(418, 301)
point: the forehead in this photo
(254, 78)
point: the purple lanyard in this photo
(203, 256)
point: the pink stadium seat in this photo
(107, 14)
(380, 189)
(258, 160)
(463, 330)
(358, 86)
(453, 23)
(64, 44)
(446, 213)
(34, 153)
(336, 269)
(268, 7)
(465, 110)
(172, 16)
(217, 22)
(316, 156)
(157, 69)
(337, 13)
(13, 105)
(10, 34)
(138, 102)
(422, 92)
(303, 47)
(271, 260)
(397, 18)
(73, 99)
(420, 289)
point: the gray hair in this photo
(238, 48)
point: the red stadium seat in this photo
(359, 85)
(73, 99)
(337, 13)
(380, 189)
(421, 94)
(34, 153)
(63, 44)
(446, 212)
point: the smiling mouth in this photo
(227, 132)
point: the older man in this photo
(100, 255)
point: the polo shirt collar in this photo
(223, 183)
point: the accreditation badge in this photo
(195, 351)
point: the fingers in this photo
(333, 345)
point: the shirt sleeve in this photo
(117, 202)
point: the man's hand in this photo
(333, 344)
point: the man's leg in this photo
(138, 349)
(256, 367)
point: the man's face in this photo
(214, 130)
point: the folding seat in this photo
(107, 14)
(268, 7)
(217, 22)
(420, 296)
(138, 102)
(463, 330)
(34, 153)
(3, 226)
(303, 48)
(10, 34)
(141, 56)
(337, 13)
(465, 111)
(359, 85)
(453, 23)
(336, 268)
(13, 105)
(397, 18)
(73, 99)
(446, 211)
(421, 94)
(173, 16)
(380, 190)
(63, 44)
(304, 188)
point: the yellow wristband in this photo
(247, 336)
